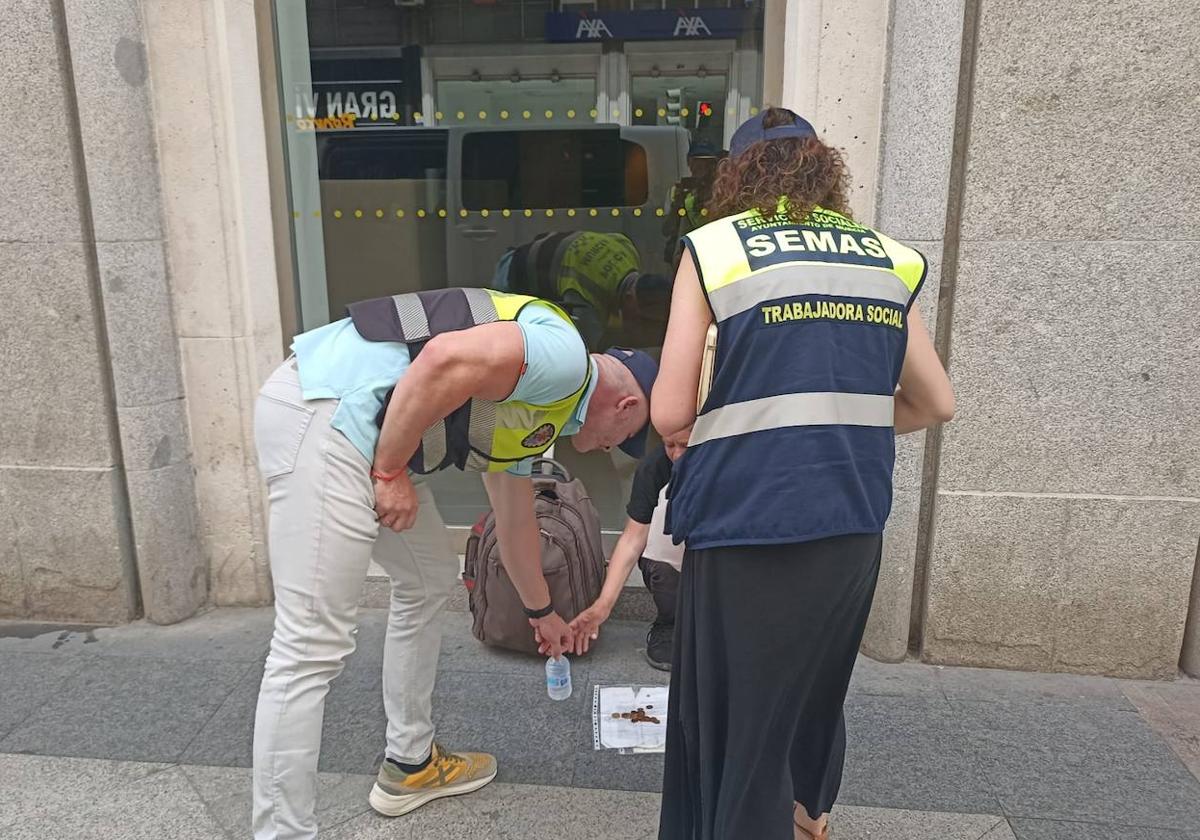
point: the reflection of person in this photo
(595, 276)
(689, 197)
(408, 385)
(645, 543)
(786, 484)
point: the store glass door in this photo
(427, 140)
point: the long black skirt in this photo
(765, 642)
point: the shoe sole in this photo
(659, 666)
(397, 805)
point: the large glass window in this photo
(428, 141)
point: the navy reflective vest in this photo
(796, 439)
(479, 435)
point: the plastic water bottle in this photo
(558, 678)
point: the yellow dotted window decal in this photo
(420, 214)
(637, 211)
(337, 214)
(441, 213)
(593, 212)
(463, 213)
(483, 115)
(570, 113)
(549, 114)
(395, 116)
(438, 115)
(753, 110)
(485, 212)
(528, 213)
(399, 214)
(662, 112)
(592, 113)
(295, 214)
(358, 214)
(683, 112)
(316, 214)
(729, 111)
(616, 113)
(549, 214)
(682, 212)
(638, 112)
(526, 114)
(659, 212)
(461, 115)
(417, 116)
(504, 115)
(378, 214)
(703, 211)
(506, 212)
(616, 211)
(571, 212)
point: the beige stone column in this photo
(203, 59)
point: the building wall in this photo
(98, 509)
(1068, 499)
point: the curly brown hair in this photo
(803, 170)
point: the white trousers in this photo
(323, 533)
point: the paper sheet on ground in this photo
(619, 733)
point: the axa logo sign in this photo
(691, 26)
(592, 29)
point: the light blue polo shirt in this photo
(335, 362)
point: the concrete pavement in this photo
(144, 732)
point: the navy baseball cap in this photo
(644, 370)
(752, 131)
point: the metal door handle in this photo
(478, 233)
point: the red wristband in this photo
(382, 476)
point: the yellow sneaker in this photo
(447, 774)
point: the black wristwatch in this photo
(542, 613)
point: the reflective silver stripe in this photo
(816, 409)
(410, 309)
(482, 427)
(483, 308)
(794, 280)
(433, 445)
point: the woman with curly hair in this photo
(821, 360)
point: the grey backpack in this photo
(572, 561)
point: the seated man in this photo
(406, 386)
(595, 276)
(645, 542)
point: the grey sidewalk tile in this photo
(860, 823)
(227, 793)
(160, 806)
(533, 737)
(527, 812)
(227, 739)
(987, 684)
(58, 638)
(608, 769)
(1027, 829)
(463, 652)
(135, 709)
(904, 679)
(229, 634)
(910, 753)
(619, 657)
(1080, 763)
(33, 784)
(1173, 711)
(29, 679)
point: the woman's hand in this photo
(396, 502)
(586, 625)
(552, 634)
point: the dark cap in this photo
(752, 131)
(644, 370)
